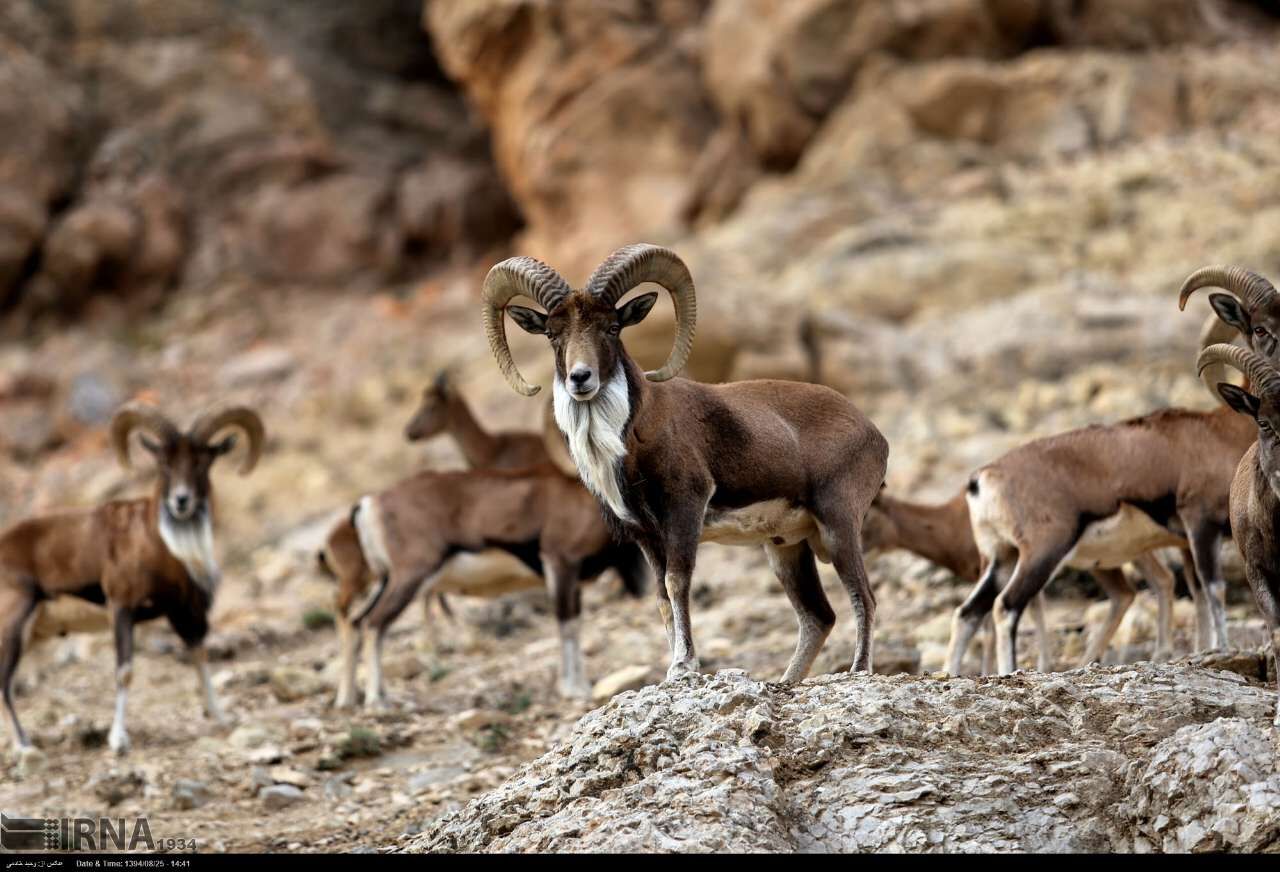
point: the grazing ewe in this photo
(1101, 496)
(142, 558)
(942, 534)
(786, 465)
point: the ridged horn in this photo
(632, 265)
(210, 423)
(1252, 289)
(139, 416)
(1213, 332)
(1263, 378)
(514, 277)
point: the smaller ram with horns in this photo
(141, 559)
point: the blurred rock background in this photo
(971, 216)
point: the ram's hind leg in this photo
(839, 519)
(16, 607)
(795, 567)
(1266, 591)
(348, 651)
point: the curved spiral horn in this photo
(513, 277)
(635, 264)
(138, 416)
(1263, 378)
(1250, 287)
(1214, 331)
(209, 423)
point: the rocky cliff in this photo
(1145, 758)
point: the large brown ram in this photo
(786, 465)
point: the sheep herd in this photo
(634, 469)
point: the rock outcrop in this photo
(1135, 758)
(178, 143)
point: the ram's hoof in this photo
(683, 669)
(118, 741)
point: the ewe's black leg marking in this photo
(1031, 574)
(970, 614)
(402, 586)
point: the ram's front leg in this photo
(122, 628)
(682, 553)
(192, 626)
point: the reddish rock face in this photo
(153, 145)
(597, 113)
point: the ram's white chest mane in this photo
(191, 543)
(594, 433)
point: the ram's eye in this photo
(1259, 332)
(615, 329)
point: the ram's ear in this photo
(1231, 312)
(225, 446)
(530, 321)
(1239, 399)
(634, 311)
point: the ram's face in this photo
(1268, 420)
(184, 464)
(1259, 325)
(586, 338)
(1264, 409)
(1264, 330)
